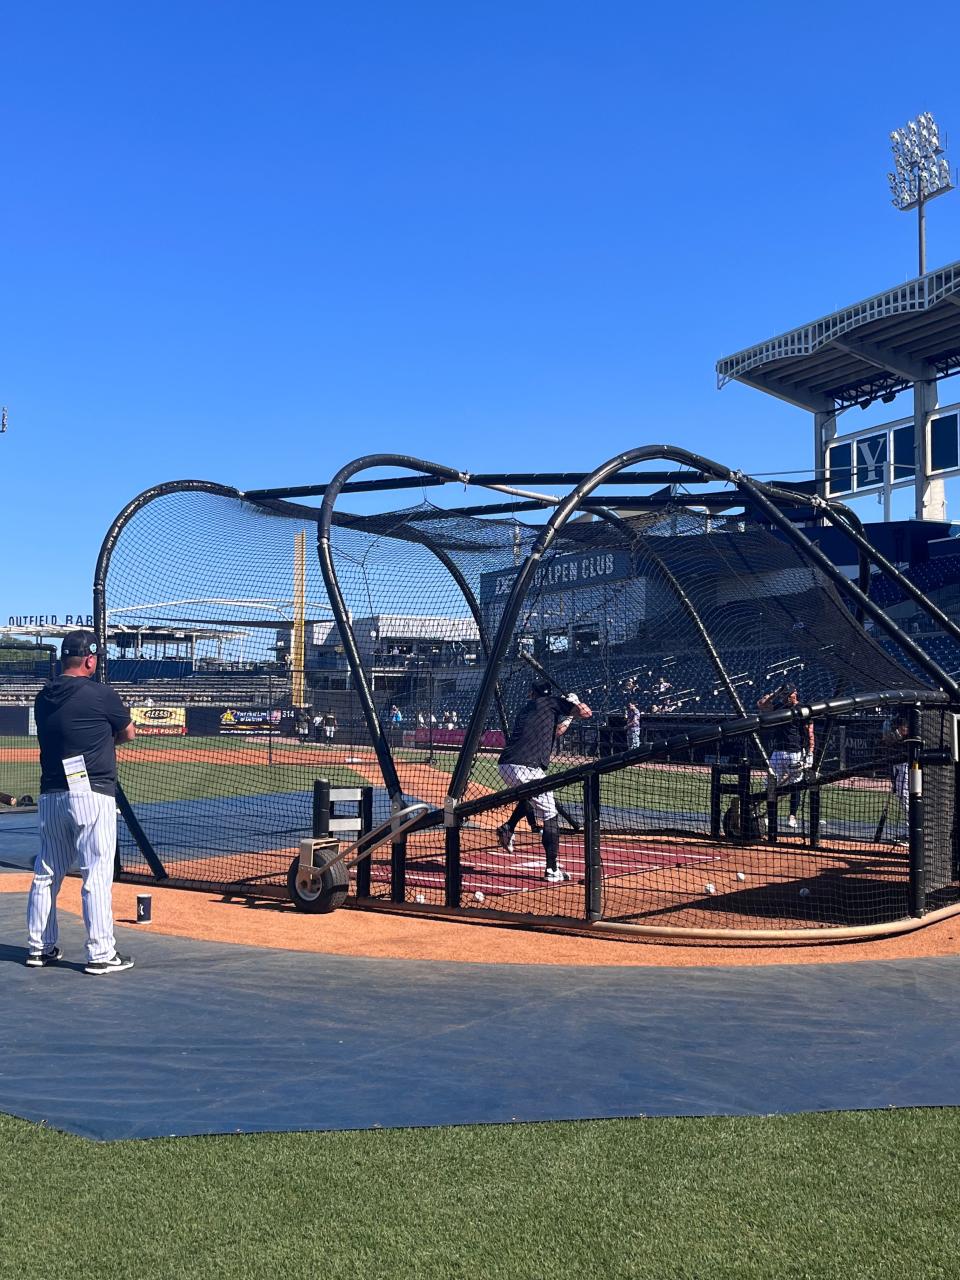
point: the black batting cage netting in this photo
(753, 744)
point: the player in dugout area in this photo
(792, 746)
(526, 758)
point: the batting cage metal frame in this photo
(768, 753)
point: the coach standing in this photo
(78, 724)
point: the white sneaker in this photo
(792, 822)
(116, 964)
(556, 875)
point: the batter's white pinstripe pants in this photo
(83, 829)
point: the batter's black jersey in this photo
(78, 717)
(531, 742)
(789, 737)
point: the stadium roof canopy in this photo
(863, 352)
(125, 635)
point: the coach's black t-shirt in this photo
(78, 717)
(531, 742)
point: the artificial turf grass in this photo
(868, 1194)
(660, 786)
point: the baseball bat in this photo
(541, 671)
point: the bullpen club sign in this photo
(563, 573)
(157, 721)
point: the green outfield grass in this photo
(663, 787)
(680, 789)
(146, 780)
(19, 777)
(850, 1196)
(198, 780)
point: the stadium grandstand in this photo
(902, 342)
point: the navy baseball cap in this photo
(78, 644)
(540, 687)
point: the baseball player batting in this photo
(526, 758)
(79, 723)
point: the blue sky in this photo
(249, 242)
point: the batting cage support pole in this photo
(815, 815)
(321, 807)
(366, 825)
(716, 803)
(140, 836)
(918, 893)
(452, 871)
(743, 796)
(484, 479)
(773, 808)
(592, 861)
(398, 870)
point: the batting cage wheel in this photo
(326, 891)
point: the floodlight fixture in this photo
(921, 171)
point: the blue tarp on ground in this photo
(212, 1038)
(19, 840)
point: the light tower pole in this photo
(921, 173)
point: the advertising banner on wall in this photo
(159, 720)
(251, 720)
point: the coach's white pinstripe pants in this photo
(75, 828)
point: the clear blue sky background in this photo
(249, 242)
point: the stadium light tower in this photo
(922, 172)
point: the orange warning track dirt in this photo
(180, 913)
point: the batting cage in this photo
(747, 742)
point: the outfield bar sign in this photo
(885, 456)
(159, 721)
(31, 620)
